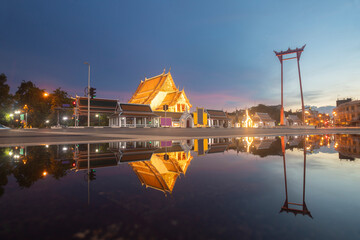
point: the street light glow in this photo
(46, 94)
(65, 118)
(17, 112)
(47, 121)
(97, 115)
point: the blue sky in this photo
(220, 52)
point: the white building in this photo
(133, 115)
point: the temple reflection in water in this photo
(158, 164)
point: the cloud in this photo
(227, 100)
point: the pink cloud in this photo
(226, 100)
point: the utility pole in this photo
(88, 173)
(88, 93)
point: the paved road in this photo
(86, 135)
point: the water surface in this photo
(222, 188)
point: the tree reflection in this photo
(5, 169)
(29, 164)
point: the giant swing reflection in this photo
(292, 207)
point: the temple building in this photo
(159, 91)
(293, 120)
(211, 118)
(133, 115)
(217, 118)
(263, 120)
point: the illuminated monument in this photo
(280, 55)
(159, 91)
(292, 207)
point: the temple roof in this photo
(217, 114)
(159, 173)
(264, 117)
(289, 51)
(149, 88)
(136, 110)
(293, 117)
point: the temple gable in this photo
(159, 91)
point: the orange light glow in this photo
(46, 94)
(45, 173)
(248, 121)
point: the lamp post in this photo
(88, 93)
(26, 108)
(98, 116)
(65, 118)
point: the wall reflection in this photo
(348, 146)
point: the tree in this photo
(58, 98)
(31, 100)
(6, 100)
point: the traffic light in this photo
(92, 175)
(74, 103)
(93, 93)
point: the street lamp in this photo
(46, 94)
(65, 118)
(26, 108)
(98, 116)
(88, 93)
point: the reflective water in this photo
(296, 187)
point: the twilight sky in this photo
(220, 52)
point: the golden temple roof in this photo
(159, 173)
(150, 87)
